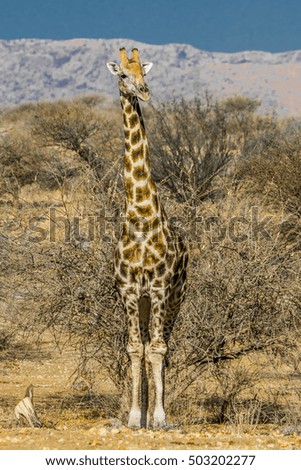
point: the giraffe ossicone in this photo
(150, 259)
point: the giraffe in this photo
(150, 259)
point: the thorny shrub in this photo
(243, 298)
(271, 167)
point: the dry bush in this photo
(17, 163)
(271, 167)
(57, 271)
(80, 304)
(240, 300)
(192, 142)
(80, 128)
(243, 296)
(46, 166)
(50, 143)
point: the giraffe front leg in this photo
(156, 353)
(156, 359)
(135, 352)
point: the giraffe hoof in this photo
(159, 420)
(134, 421)
(159, 424)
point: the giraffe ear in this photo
(146, 66)
(114, 68)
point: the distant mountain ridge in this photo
(37, 69)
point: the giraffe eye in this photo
(122, 75)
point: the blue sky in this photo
(213, 25)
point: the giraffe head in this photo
(131, 74)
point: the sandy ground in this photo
(75, 420)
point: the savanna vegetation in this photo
(230, 180)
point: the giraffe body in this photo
(150, 259)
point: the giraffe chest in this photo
(148, 264)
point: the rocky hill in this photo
(35, 69)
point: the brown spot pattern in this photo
(169, 258)
(123, 269)
(137, 153)
(155, 202)
(152, 185)
(129, 189)
(134, 273)
(132, 254)
(133, 119)
(149, 258)
(125, 121)
(135, 137)
(145, 211)
(151, 225)
(143, 131)
(127, 163)
(142, 193)
(161, 268)
(140, 173)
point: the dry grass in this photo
(230, 182)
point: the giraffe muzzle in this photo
(143, 92)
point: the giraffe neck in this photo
(141, 193)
